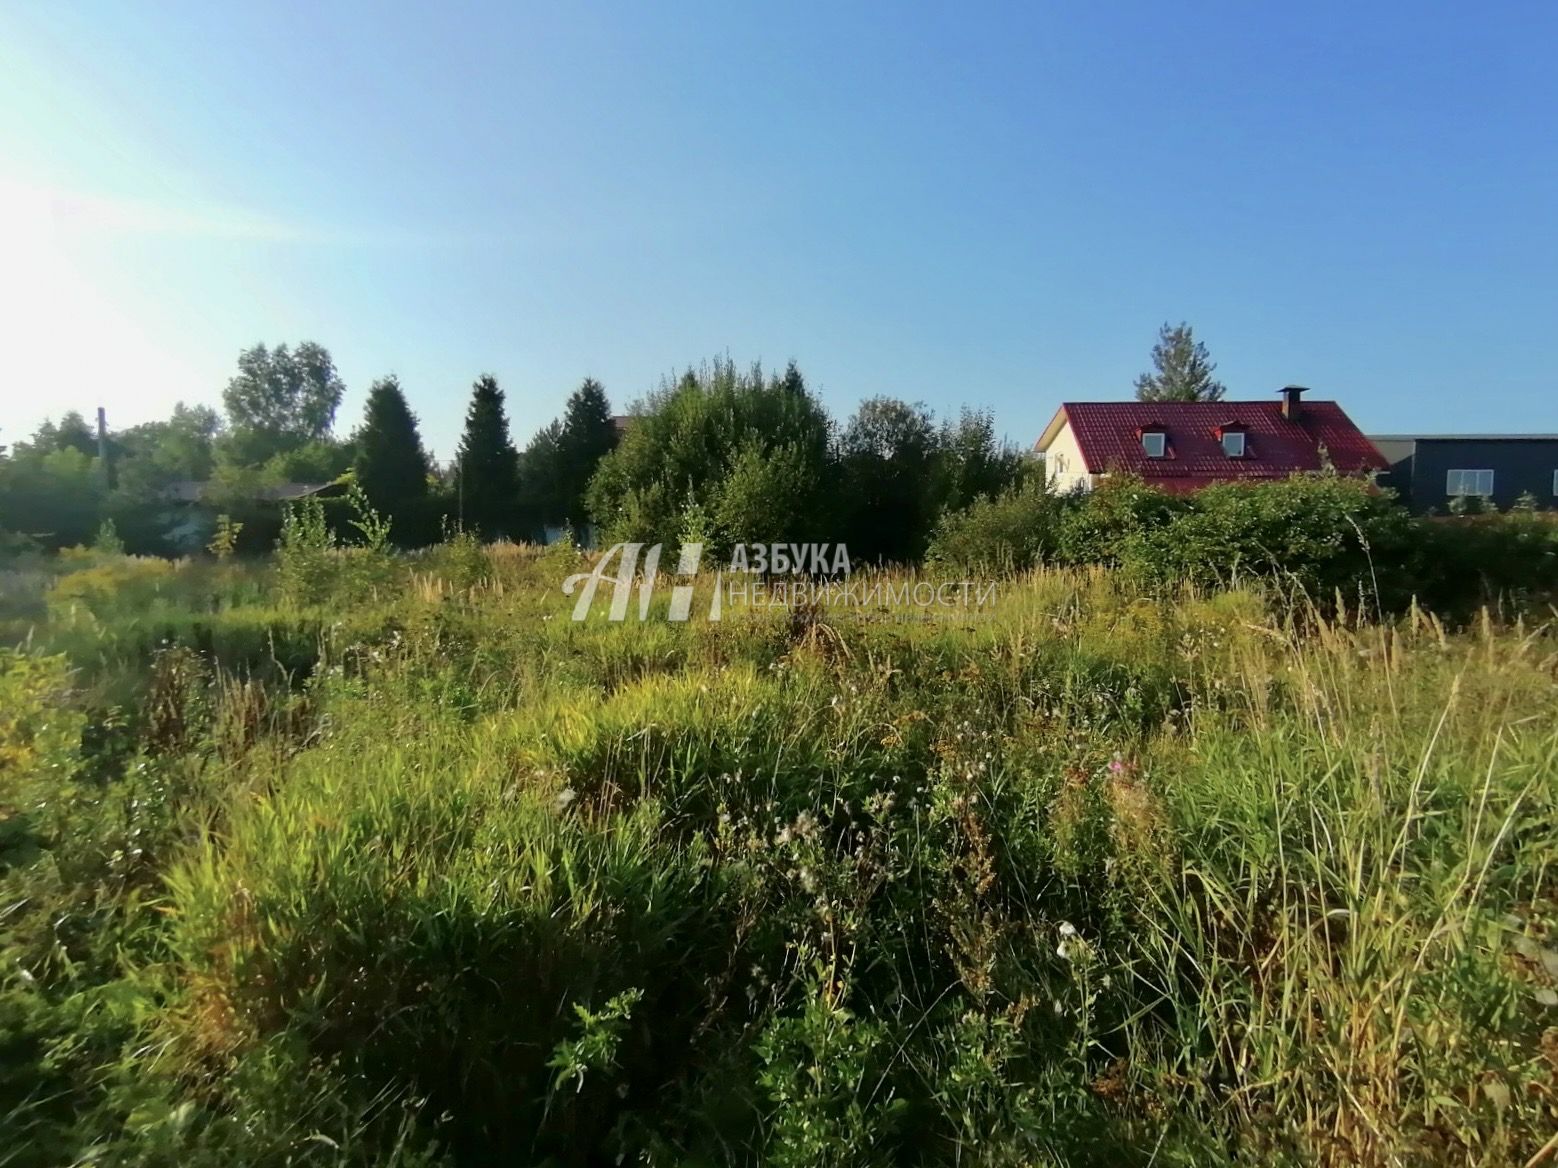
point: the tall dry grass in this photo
(1084, 877)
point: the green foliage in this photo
(107, 542)
(899, 474)
(975, 463)
(588, 434)
(543, 500)
(1111, 524)
(304, 558)
(760, 486)
(369, 524)
(319, 460)
(1013, 531)
(686, 443)
(486, 467)
(556, 468)
(389, 463)
(460, 558)
(1506, 560)
(1182, 369)
(1316, 538)
(280, 399)
(98, 586)
(153, 455)
(594, 1052)
(1320, 533)
(818, 1067)
(888, 455)
(315, 567)
(55, 496)
(225, 539)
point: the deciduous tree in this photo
(686, 443)
(887, 457)
(280, 399)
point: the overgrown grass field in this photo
(358, 858)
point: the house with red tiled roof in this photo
(1184, 446)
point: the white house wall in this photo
(1064, 469)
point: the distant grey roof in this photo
(183, 490)
(1463, 437)
(285, 491)
(190, 491)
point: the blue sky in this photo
(993, 205)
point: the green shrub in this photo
(314, 566)
(1320, 534)
(1112, 520)
(111, 586)
(303, 554)
(1012, 532)
(1508, 560)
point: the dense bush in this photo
(727, 456)
(1115, 524)
(1509, 559)
(1009, 532)
(1317, 538)
(1321, 534)
(748, 450)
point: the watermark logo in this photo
(812, 559)
(626, 557)
(756, 579)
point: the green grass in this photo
(427, 872)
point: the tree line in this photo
(721, 453)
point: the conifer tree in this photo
(588, 435)
(487, 466)
(390, 463)
(1183, 369)
(556, 467)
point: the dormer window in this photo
(1231, 436)
(1154, 443)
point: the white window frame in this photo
(1555, 484)
(1459, 483)
(1231, 434)
(1148, 437)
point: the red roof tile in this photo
(1107, 433)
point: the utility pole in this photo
(102, 449)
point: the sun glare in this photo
(64, 341)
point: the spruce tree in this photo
(556, 467)
(542, 502)
(390, 464)
(487, 466)
(1183, 369)
(588, 435)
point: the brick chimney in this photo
(1292, 405)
